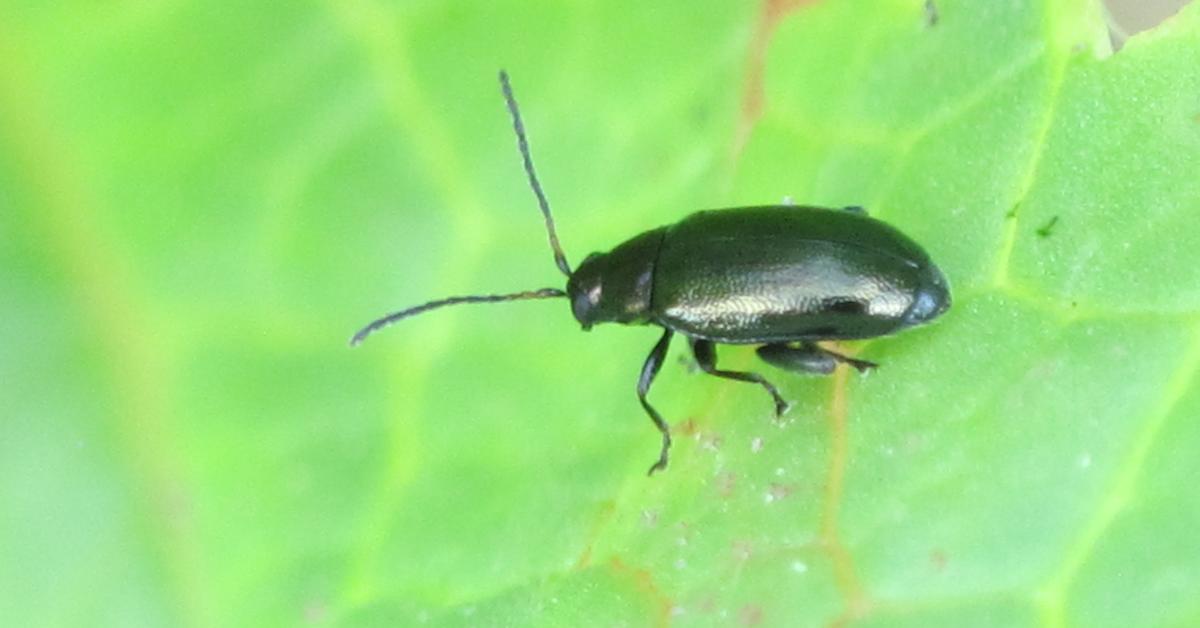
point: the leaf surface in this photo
(202, 202)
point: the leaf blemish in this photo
(777, 492)
(1045, 230)
(931, 14)
(726, 483)
(938, 559)
(750, 615)
(742, 550)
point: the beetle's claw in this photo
(862, 365)
(658, 466)
(781, 408)
(662, 455)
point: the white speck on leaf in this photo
(756, 444)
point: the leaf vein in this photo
(1051, 597)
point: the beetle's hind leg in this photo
(706, 357)
(809, 358)
(649, 370)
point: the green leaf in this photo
(200, 202)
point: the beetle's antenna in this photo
(376, 325)
(523, 144)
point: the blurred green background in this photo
(200, 202)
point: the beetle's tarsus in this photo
(861, 365)
(662, 457)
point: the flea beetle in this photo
(778, 276)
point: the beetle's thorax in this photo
(616, 286)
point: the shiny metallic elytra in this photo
(779, 276)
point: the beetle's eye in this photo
(593, 295)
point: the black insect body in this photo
(782, 277)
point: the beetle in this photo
(782, 277)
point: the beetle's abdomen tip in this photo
(932, 299)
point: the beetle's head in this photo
(615, 286)
(586, 291)
(931, 298)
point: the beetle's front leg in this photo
(649, 370)
(706, 357)
(808, 358)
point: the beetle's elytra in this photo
(781, 276)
